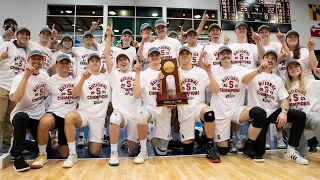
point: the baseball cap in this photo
(66, 36)
(172, 32)
(214, 25)
(144, 25)
(263, 27)
(23, 29)
(45, 29)
(223, 48)
(291, 61)
(126, 31)
(63, 57)
(185, 48)
(153, 49)
(122, 55)
(35, 52)
(191, 30)
(160, 22)
(93, 54)
(87, 33)
(241, 23)
(292, 31)
(271, 51)
(10, 21)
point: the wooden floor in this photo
(177, 167)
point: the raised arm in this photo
(107, 51)
(286, 51)
(137, 86)
(140, 56)
(204, 19)
(78, 88)
(246, 79)
(213, 86)
(183, 36)
(312, 62)
(21, 89)
(256, 39)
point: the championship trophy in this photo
(170, 86)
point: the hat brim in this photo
(293, 32)
(64, 59)
(229, 50)
(36, 55)
(213, 26)
(242, 24)
(46, 30)
(93, 56)
(264, 27)
(153, 51)
(121, 55)
(192, 31)
(185, 50)
(145, 27)
(271, 52)
(161, 24)
(293, 62)
(87, 35)
(27, 30)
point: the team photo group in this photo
(51, 86)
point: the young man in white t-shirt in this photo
(45, 37)
(59, 88)
(125, 109)
(228, 103)
(266, 90)
(173, 35)
(12, 62)
(28, 91)
(194, 81)
(146, 34)
(147, 86)
(192, 37)
(93, 90)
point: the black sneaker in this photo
(211, 154)
(313, 149)
(106, 140)
(249, 152)
(20, 164)
(175, 144)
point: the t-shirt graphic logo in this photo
(98, 92)
(189, 85)
(266, 90)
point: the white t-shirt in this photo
(169, 48)
(94, 97)
(81, 54)
(150, 87)
(31, 102)
(244, 54)
(212, 52)
(305, 102)
(1, 39)
(130, 52)
(232, 91)
(71, 56)
(304, 58)
(46, 53)
(275, 46)
(196, 52)
(265, 91)
(11, 66)
(122, 93)
(60, 91)
(101, 51)
(194, 83)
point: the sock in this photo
(143, 144)
(114, 147)
(290, 149)
(42, 149)
(250, 141)
(237, 134)
(72, 147)
(27, 136)
(175, 136)
(81, 134)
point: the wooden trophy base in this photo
(181, 99)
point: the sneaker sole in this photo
(288, 158)
(114, 164)
(254, 160)
(214, 160)
(21, 170)
(37, 166)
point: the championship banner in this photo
(314, 12)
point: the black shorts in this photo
(59, 124)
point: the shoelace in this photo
(40, 157)
(72, 157)
(141, 155)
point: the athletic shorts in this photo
(222, 130)
(96, 128)
(131, 124)
(187, 121)
(59, 124)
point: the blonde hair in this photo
(302, 82)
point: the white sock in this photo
(72, 147)
(42, 149)
(143, 144)
(81, 134)
(290, 149)
(175, 136)
(28, 136)
(114, 147)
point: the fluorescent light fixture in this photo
(197, 16)
(73, 25)
(80, 29)
(183, 14)
(101, 25)
(69, 12)
(61, 12)
(180, 26)
(154, 14)
(116, 30)
(213, 16)
(112, 13)
(93, 12)
(206, 27)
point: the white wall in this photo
(32, 13)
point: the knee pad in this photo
(259, 116)
(19, 118)
(161, 147)
(223, 150)
(209, 116)
(188, 148)
(115, 118)
(143, 116)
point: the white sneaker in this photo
(114, 161)
(296, 157)
(81, 141)
(232, 147)
(281, 144)
(142, 156)
(267, 144)
(71, 160)
(239, 144)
